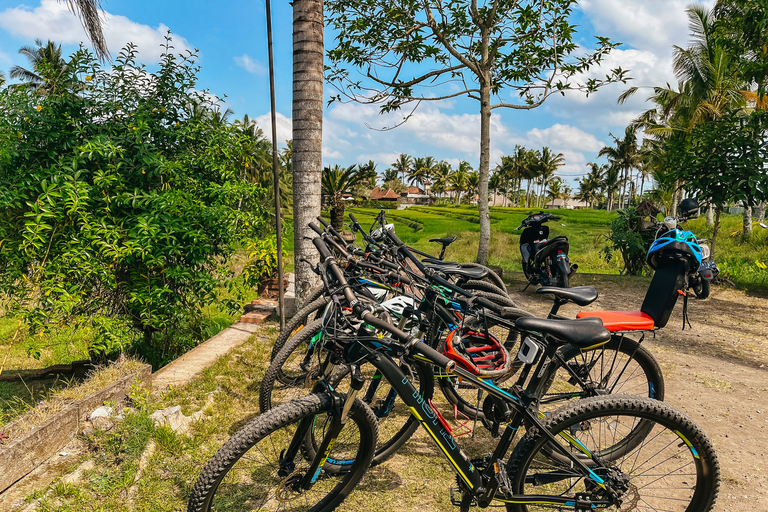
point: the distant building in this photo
(566, 204)
(379, 194)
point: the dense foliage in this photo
(122, 194)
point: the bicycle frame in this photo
(483, 485)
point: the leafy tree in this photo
(422, 170)
(625, 155)
(48, 67)
(590, 185)
(411, 52)
(336, 182)
(402, 166)
(390, 174)
(459, 182)
(118, 205)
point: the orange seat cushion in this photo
(621, 320)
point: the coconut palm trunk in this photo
(308, 55)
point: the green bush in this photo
(122, 197)
(626, 237)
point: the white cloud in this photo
(655, 25)
(53, 20)
(250, 65)
(563, 137)
(284, 127)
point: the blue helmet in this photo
(675, 244)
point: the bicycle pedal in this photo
(502, 477)
(462, 499)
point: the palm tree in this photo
(336, 182)
(459, 181)
(473, 184)
(389, 175)
(590, 185)
(307, 136)
(441, 177)
(402, 165)
(48, 67)
(611, 184)
(625, 155)
(549, 162)
(422, 170)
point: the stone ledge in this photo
(22, 456)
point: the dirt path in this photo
(717, 372)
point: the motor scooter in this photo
(698, 278)
(545, 261)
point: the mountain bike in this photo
(619, 452)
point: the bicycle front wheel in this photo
(672, 468)
(252, 471)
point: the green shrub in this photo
(632, 243)
(121, 199)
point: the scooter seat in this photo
(581, 295)
(468, 272)
(584, 332)
(621, 320)
(444, 241)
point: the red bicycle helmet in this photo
(480, 354)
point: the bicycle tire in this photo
(396, 425)
(299, 320)
(672, 439)
(286, 373)
(268, 433)
(492, 276)
(474, 285)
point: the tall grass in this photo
(744, 262)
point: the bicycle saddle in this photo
(469, 272)
(583, 332)
(581, 295)
(445, 241)
(435, 261)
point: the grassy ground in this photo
(123, 475)
(585, 230)
(743, 262)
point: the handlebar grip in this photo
(336, 234)
(353, 218)
(321, 247)
(314, 227)
(392, 236)
(322, 221)
(433, 355)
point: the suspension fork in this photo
(339, 416)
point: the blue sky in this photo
(231, 38)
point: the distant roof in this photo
(379, 193)
(412, 190)
(391, 194)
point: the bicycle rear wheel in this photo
(673, 468)
(620, 366)
(250, 472)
